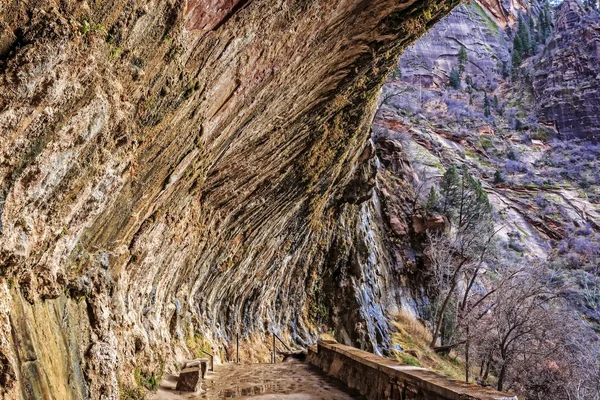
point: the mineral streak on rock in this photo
(567, 74)
(171, 169)
(203, 15)
(504, 12)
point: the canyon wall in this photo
(173, 171)
(567, 74)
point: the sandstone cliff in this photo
(567, 74)
(174, 171)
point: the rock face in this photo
(504, 12)
(567, 74)
(176, 169)
(428, 63)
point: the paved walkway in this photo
(286, 381)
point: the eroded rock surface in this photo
(174, 170)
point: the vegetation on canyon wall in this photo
(472, 96)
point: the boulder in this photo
(398, 227)
(435, 223)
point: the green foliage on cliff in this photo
(455, 78)
(463, 58)
(146, 380)
(131, 393)
(462, 199)
(198, 345)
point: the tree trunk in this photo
(487, 367)
(502, 376)
(440, 320)
(467, 348)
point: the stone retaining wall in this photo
(379, 378)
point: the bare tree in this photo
(518, 323)
(457, 257)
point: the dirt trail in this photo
(286, 381)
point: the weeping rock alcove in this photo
(174, 168)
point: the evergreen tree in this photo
(449, 190)
(462, 199)
(505, 71)
(545, 22)
(542, 24)
(498, 177)
(525, 36)
(463, 58)
(532, 32)
(495, 102)
(517, 57)
(455, 78)
(474, 205)
(486, 106)
(433, 200)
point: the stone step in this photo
(189, 380)
(192, 374)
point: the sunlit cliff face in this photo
(173, 169)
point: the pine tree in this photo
(545, 23)
(498, 177)
(525, 37)
(455, 78)
(449, 190)
(517, 57)
(531, 30)
(463, 58)
(486, 106)
(505, 71)
(433, 200)
(495, 102)
(474, 205)
(462, 199)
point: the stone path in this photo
(286, 381)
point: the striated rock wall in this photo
(477, 27)
(182, 170)
(567, 74)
